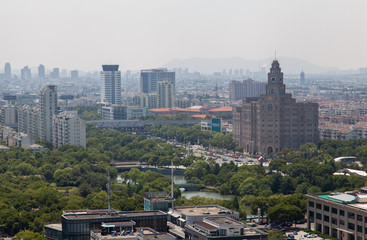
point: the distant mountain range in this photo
(208, 66)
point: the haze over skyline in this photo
(146, 34)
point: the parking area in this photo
(301, 235)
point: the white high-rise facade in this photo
(68, 129)
(111, 84)
(8, 115)
(48, 108)
(165, 94)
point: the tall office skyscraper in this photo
(149, 79)
(165, 94)
(7, 71)
(48, 109)
(111, 84)
(26, 73)
(41, 71)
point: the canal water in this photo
(179, 178)
(214, 195)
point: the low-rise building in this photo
(221, 228)
(183, 215)
(119, 112)
(157, 201)
(339, 215)
(78, 224)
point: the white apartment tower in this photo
(48, 108)
(8, 115)
(68, 129)
(111, 84)
(245, 89)
(165, 94)
(28, 120)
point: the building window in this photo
(334, 210)
(270, 107)
(326, 218)
(334, 221)
(318, 206)
(341, 212)
(351, 215)
(326, 208)
(341, 222)
(351, 226)
(359, 228)
(318, 216)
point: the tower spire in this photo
(275, 55)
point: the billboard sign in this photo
(216, 124)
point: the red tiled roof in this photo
(221, 109)
(199, 115)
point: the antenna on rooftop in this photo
(109, 192)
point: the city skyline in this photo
(326, 33)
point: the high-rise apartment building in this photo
(246, 88)
(25, 73)
(41, 71)
(28, 120)
(165, 94)
(149, 79)
(48, 108)
(274, 120)
(68, 129)
(7, 71)
(8, 115)
(111, 84)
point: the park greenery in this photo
(37, 186)
(88, 113)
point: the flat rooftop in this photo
(158, 236)
(203, 210)
(116, 237)
(338, 197)
(55, 226)
(103, 213)
(224, 221)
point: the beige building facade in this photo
(339, 215)
(268, 123)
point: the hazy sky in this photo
(83, 34)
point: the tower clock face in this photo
(273, 79)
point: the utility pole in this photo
(109, 193)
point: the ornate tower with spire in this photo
(274, 120)
(302, 78)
